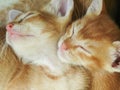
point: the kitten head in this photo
(31, 33)
(92, 41)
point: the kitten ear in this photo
(95, 7)
(60, 8)
(116, 62)
(12, 14)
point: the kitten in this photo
(38, 27)
(33, 36)
(94, 43)
(23, 5)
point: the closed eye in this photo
(20, 20)
(25, 17)
(28, 14)
(84, 49)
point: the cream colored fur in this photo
(40, 68)
(94, 43)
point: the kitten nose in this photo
(64, 46)
(9, 27)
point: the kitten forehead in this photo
(27, 15)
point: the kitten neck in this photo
(52, 63)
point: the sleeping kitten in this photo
(23, 5)
(33, 36)
(94, 43)
(38, 27)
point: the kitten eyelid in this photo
(84, 49)
(20, 20)
(25, 17)
(28, 14)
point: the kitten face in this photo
(86, 48)
(33, 35)
(27, 33)
(90, 42)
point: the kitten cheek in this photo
(62, 57)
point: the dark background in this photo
(118, 16)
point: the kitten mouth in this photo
(15, 33)
(116, 63)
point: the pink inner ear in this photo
(9, 27)
(63, 8)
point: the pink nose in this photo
(9, 27)
(64, 46)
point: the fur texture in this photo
(42, 70)
(17, 76)
(94, 42)
(23, 5)
(38, 27)
(81, 7)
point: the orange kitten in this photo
(94, 43)
(38, 27)
(33, 36)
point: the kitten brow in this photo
(25, 17)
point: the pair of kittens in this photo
(39, 67)
(88, 42)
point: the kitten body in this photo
(17, 76)
(33, 36)
(94, 42)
